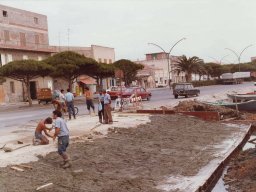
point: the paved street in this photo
(164, 96)
(160, 97)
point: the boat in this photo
(242, 97)
(243, 106)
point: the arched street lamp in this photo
(239, 55)
(219, 61)
(168, 56)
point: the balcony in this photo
(12, 45)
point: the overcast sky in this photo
(210, 26)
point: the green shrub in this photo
(206, 83)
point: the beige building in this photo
(158, 62)
(24, 35)
(101, 54)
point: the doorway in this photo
(33, 89)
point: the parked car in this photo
(115, 91)
(138, 91)
(160, 85)
(185, 89)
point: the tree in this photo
(24, 71)
(208, 68)
(188, 66)
(129, 68)
(70, 65)
(101, 71)
(201, 70)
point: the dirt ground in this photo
(241, 174)
(194, 105)
(134, 159)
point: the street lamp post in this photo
(219, 61)
(239, 55)
(167, 54)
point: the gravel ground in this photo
(134, 159)
(241, 174)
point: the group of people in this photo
(61, 132)
(64, 102)
(104, 105)
(61, 129)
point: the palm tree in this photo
(188, 66)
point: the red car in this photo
(115, 91)
(139, 91)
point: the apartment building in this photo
(158, 62)
(23, 35)
(101, 54)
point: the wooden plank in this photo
(25, 166)
(44, 186)
(17, 169)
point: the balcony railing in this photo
(27, 46)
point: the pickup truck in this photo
(185, 89)
(44, 94)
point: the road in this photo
(160, 97)
(164, 96)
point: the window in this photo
(35, 20)
(22, 39)
(36, 39)
(1, 63)
(154, 56)
(3, 60)
(25, 57)
(99, 60)
(110, 60)
(6, 35)
(5, 14)
(9, 58)
(12, 87)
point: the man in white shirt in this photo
(69, 97)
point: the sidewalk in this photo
(20, 105)
(82, 129)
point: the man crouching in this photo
(41, 127)
(62, 132)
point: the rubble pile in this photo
(240, 175)
(194, 105)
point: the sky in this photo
(209, 26)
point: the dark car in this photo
(185, 89)
(138, 91)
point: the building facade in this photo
(24, 35)
(101, 54)
(158, 62)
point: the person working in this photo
(41, 127)
(62, 132)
